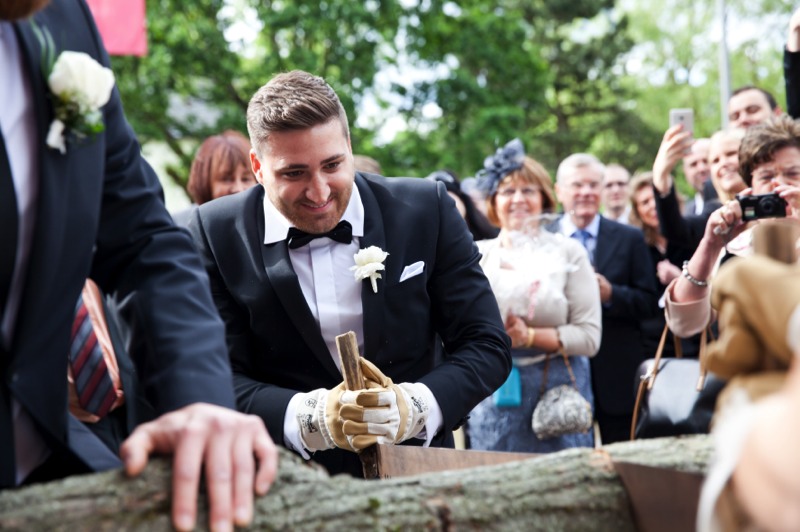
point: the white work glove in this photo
(383, 413)
(319, 421)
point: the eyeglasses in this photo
(527, 192)
(615, 184)
(591, 185)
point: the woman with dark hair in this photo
(548, 296)
(220, 167)
(477, 223)
(667, 258)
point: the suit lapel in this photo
(52, 200)
(284, 281)
(607, 244)
(372, 303)
(32, 52)
(48, 240)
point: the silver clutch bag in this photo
(562, 409)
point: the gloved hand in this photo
(383, 413)
(319, 421)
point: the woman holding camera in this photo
(769, 163)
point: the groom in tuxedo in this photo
(280, 257)
(96, 209)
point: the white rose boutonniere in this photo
(369, 261)
(81, 86)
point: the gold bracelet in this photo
(531, 336)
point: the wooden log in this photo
(347, 345)
(576, 489)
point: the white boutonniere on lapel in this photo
(81, 87)
(369, 261)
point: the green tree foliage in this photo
(563, 75)
(676, 56)
(546, 71)
(191, 63)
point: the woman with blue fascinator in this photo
(548, 296)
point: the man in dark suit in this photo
(285, 301)
(95, 208)
(625, 278)
(698, 174)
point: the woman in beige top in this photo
(548, 296)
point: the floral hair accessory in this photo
(80, 87)
(495, 167)
(369, 261)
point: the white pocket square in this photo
(412, 270)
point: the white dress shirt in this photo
(699, 203)
(334, 297)
(17, 122)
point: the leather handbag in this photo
(561, 410)
(675, 395)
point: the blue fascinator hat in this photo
(495, 167)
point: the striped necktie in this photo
(93, 383)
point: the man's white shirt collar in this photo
(568, 228)
(276, 226)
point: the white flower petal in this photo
(369, 262)
(82, 79)
(55, 136)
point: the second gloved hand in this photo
(385, 412)
(319, 421)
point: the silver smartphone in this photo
(685, 117)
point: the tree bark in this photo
(576, 489)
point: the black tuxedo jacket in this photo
(100, 214)
(275, 345)
(621, 255)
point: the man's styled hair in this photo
(292, 101)
(579, 160)
(773, 103)
(762, 141)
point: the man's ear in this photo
(255, 165)
(777, 111)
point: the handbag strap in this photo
(563, 353)
(649, 378)
(707, 333)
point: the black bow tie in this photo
(343, 232)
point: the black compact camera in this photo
(762, 206)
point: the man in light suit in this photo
(285, 295)
(625, 278)
(96, 209)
